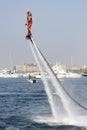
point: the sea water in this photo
(25, 106)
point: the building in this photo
(26, 68)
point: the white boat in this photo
(32, 79)
(36, 74)
(69, 75)
(84, 74)
(61, 72)
(73, 75)
(8, 74)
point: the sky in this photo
(59, 30)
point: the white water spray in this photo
(61, 104)
(53, 88)
(47, 87)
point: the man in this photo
(29, 24)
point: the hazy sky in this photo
(59, 29)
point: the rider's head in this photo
(28, 12)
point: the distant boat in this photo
(61, 72)
(84, 74)
(73, 75)
(69, 75)
(31, 79)
(37, 75)
(8, 74)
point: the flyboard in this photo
(76, 102)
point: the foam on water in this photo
(80, 121)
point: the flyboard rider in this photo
(29, 24)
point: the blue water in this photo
(22, 102)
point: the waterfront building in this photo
(26, 68)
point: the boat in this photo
(37, 75)
(62, 72)
(5, 73)
(84, 74)
(31, 79)
(73, 75)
